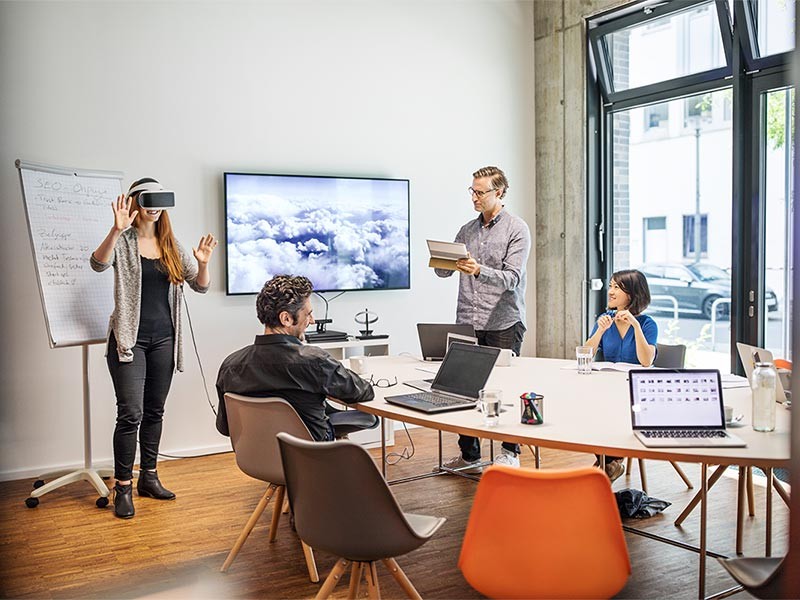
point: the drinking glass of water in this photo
(584, 355)
(489, 402)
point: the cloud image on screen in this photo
(341, 233)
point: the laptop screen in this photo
(433, 337)
(676, 398)
(465, 369)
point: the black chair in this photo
(343, 506)
(762, 576)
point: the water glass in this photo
(584, 355)
(489, 402)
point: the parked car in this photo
(695, 287)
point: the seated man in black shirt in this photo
(279, 364)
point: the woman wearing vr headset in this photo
(144, 341)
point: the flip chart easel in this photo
(67, 216)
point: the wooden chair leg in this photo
(536, 457)
(751, 501)
(401, 578)
(628, 467)
(276, 513)
(311, 564)
(355, 580)
(740, 491)
(642, 474)
(332, 579)
(285, 509)
(372, 581)
(683, 476)
(251, 522)
(781, 490)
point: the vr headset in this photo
(152, 196)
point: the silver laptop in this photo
(750, 355)
(433, 337)
(679, 408)
(464, 372)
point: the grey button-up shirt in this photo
(495, 299)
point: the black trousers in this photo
(503, 338)
(141, 387)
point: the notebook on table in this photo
(679, 408)
(433, 337)
(464, 372)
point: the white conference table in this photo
(582, 413)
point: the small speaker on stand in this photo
(367, 318)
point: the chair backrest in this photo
(544, 534)
(253, 424)
(670, 357)
(341, 503)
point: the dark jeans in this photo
(141, 387)
(503, 338)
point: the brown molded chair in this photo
(761, 577)
(253, 425)
(552, 533)
(343, 506)
(667, 357)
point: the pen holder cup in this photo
(531, 408)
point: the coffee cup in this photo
(728, 413)
(504, 358)
(358, 364)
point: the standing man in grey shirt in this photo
(491, 288)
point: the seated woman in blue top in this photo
(625, 335)
(622, 333)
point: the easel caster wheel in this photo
(101, 502)
(31, 502)
(38, 483)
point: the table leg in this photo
(768, 542)
(703, 509)
(383, 447)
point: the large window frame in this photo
(748, 75)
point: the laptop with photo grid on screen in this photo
(463, 373)
(679, 408)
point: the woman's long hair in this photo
(170, 257)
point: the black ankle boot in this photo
(150, 487)
(123, 501)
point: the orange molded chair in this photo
(544, 534)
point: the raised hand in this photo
(204, 249)
(625, 316)
(604, 322)
(123, 218)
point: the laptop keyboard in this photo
(684, 433)
(437, 400)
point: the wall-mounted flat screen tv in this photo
(343, 233)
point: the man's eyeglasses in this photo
(383, 382)
(479, 193)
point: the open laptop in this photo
(750, 355)
(464, 372)
(679, 408)
(433, 337)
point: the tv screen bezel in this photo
(347, 177)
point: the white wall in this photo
(428, 91)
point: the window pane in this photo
(778, 189)
(774, 24)
(675, 45)
(662, 186)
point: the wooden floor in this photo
(68, 548)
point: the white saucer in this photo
(734, 424)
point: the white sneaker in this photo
(507, 458)
(465, 466)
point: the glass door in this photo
(671, 217)
(777, 187)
